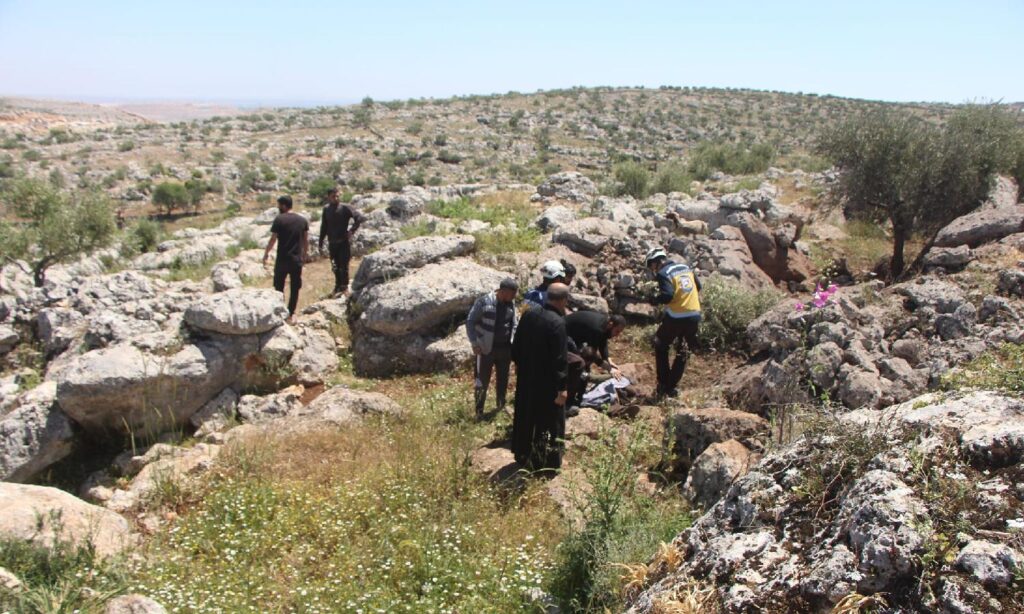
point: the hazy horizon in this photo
(312, 53)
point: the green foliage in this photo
(32, 155)
(619, 524)
(53, 227)
(730, 158)
(998, 369)
(672, 178)
(63, 578)
(918, 176)
(144, 235)
(319, 187)
(508, 241)
(633, 178)
(124, 146)
(727, 308)
(171, 195)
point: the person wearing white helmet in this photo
(679, 292)
(553, 272)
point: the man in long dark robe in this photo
(539, 351)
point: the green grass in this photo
(998, 369)
(383, 516)
(508, 241)
(63, 578)
(496, 209)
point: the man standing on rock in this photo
(679, 292)
(290, 231)
(539, 351)
(334, 226)
(490, 328)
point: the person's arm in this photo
(471, 322)
(665, 290)
(357, 220)
(304, 246)
(558, 345)
(270, 246)
(323, 229)
(696, 281)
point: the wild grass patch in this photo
(728, 308)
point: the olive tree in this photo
(50, 226)
(171, 195)
(917, 176)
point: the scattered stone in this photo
(38, 513)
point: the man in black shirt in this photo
(290, 232)
(334, 226)
(588, 333)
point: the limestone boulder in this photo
(715, 469)
(34, 434)
(571, 186)
(589, 235)
(553, 218)
(242, 311)
(409, 202)
(44, 515)
(122, 389)
(134, 604)
(400, 258)
(982, 226)
(436, 294)
(694, 430)
(340, 405)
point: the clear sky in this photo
(316, 51)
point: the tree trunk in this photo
(39, 275)
(899, 241)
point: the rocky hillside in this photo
(841, 445)
(245, 158)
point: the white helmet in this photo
(654, 254)
(552, 269)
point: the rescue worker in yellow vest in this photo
(679, 292)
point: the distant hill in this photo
(34, 115)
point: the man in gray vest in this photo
(490, 326)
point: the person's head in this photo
(552, 271)
(558, 296)
(284, 204)
(655, 259)
(332, 196)
(507, 290)
(615, 325)
(570, 271)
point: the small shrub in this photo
(730, 158)
(672, 178)
(634, 179)
(728, 308)
(124, 146)
(145, 235)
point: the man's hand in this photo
(561, 398)
(477, 350)
(615, 372)
(351, 234)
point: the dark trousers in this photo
(499, 360)
(678, 332)
(547, 441)
(341, 254)
(574, 385)
(282, 271)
